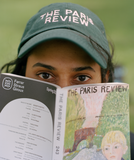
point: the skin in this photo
(114, 151)
(62, 63)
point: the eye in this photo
(116, 147)
(106, 148)
(83, 78)
(44, 75)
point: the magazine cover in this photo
(97, 123)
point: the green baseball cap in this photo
(66, 21)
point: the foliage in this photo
(114, 116)
(75, 117)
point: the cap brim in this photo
(66, 34)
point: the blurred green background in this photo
(117, 16)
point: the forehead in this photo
(62, 48)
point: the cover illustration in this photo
(97, 123)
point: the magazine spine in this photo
(59, 124)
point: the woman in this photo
(64, 44)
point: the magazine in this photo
(41, 121)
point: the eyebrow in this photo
(83, 68)
(107, 145)
(116, 143)
(53, 68)
(44, 66)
